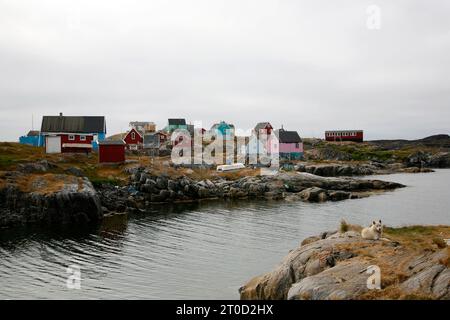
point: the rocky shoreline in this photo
(47, 199)
(414, 264)
(146, 188)
(32, 195)
(359, 169)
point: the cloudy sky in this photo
(308, 65)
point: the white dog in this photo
(374, 232)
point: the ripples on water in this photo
(197, 251)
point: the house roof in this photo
(343, 131)
(133, 130)
(161, 132)
(177, 122)
(112, 142)
(262, 125)
(285, 136)
(73, 124)
(222, 124)
(141, 123)
(33, 133)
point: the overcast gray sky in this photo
(309, 65)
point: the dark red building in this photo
(345, 135)
(134, 139)
(263, 128)
(110, 151)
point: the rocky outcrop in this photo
(47, 199)
(36, 167)
(423, 159)
(338, 170)
(334, 266)
(372, 168)
(145, 188)
(330, 153)
(440, 160)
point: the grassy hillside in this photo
(12, 155)
(366, 151)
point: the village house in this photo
(174, 124)
(263, 128)
(344, 135)
(33, 138)
(152, 143)
(262, 133)
(290, 145)
(77, 134)
(163, 136)
(223, 130)
(133, 139)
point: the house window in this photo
(133, 135)
(297, 145)
(82, 138)
(71, 137)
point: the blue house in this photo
(223, 129)
(33, 138)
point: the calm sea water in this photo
(197, 251)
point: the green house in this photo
(175, 124)
(224, 130)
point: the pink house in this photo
(290, 144)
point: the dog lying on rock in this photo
(374, 232)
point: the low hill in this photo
(118, 136)
(441, 141)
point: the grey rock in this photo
(75, 171)
(36, 167)
(342, 282)
(313, 195)
(425, 281)
(76, 202)
(164, 194)
(161, 182)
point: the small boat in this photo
(230, 167)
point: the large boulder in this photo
(36, 167)
(337, 266)
(440, 160)
(49, 199)
(418, 159)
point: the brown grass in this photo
(46, 183)
(419, 237)
(394, 260)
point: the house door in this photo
(53, 145)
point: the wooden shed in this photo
(111, 151)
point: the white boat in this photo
(230, 167)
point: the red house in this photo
(111, 151)
(345, 135)
(163, 136)
(133, 139)
(263, 128)
(64, 134)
